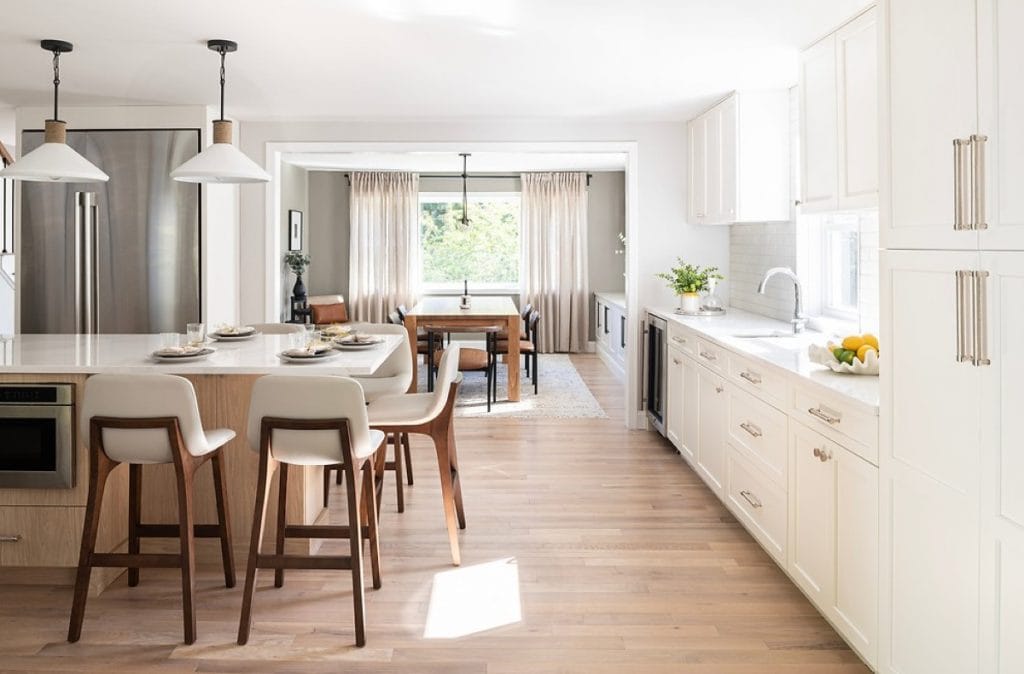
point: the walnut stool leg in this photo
(134, 516)
(282, 509)
(259, 521)
(356, 544)
(224, 519)
(186, 532)
(99, 469)
(408, 459)
(399, 483)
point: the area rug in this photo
(562, 394)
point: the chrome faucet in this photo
(799, 320)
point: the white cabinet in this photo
(610, 331)
(834, 534)
(839, 119)
(739, 160)
(712, 429)
(954, 75)
(674, 397)
(691, 411)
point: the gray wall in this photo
(294, 196)
(328, 232)
(606, 218)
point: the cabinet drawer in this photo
(760, 432)
(711, 356)
(758, 379)
(839, 421)
(46, 536)
(682, 339)
(758, 504)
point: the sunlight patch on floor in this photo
(474, 599)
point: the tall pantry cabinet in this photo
(952, 233)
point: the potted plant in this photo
(687, 281)
(297, 261)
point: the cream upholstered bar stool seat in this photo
(312, 421)
(138, 420)
(431, 414)
(393, 377)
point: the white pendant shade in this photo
(54, 162)
(220, 163)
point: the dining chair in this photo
(278, 328)
(312, 421)
(149, 419)
(430, 414)
(472, 359)
(528, 347)
(393, 377)
(327, 309)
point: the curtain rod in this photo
(458, 176)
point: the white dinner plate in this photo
(348, 344)
(312, 358)
(233, 338)
(181, 358)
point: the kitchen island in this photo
(40, 528)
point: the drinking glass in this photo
(196, 334)
(297, 341)
(310, 334)
(169, 340)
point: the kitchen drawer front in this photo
(682, 339)
(839, 421)
(40, 536)
(761, 432)
(712, 356)
(759, 504)
(758, 380)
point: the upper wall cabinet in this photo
(739, 160)
(839, 119)
(951, 108)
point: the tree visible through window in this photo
(485, 252)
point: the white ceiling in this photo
(406, 59)
(451, 162)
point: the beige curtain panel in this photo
(385, 246)
(554, 257)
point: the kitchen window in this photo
(484, 252)
(840, 259)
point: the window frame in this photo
(831, 224)
(455, 287)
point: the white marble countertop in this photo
(130, 354)
(617, 299)
(786, 353)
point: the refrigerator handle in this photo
(981, 318)
(85, 262)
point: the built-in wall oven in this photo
(655, 355)
(37, 439)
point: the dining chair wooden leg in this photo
(379, 459)
(399, 483)
(356, 546)
(99, 470)
(534, 377)
(408, 458)
(134, 517)
(453, 462)
(339, 478)
(372, 524)
(327, 485)
(186, 533)
(282, 510)
(259, 522)
(441, 445)
(224, 519)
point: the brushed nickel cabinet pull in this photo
(824, 414)
(676, 338)
(676, 361)
(752, 377)
(823, 455)
(707, 355)
(978, 180)
(980, 318)
(961, 328)
(751, 499)
(10, 538)
(751, 428)
(958, 192)
(719, 389)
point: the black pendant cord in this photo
(465, 191)
(223, 56)
(56, 82)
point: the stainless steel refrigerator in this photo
(115, 257)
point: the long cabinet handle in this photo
(958, 185)
(752, 377)
(980, 279)
(978, 181)
(751, 428)
(10, 538)
(707, 355)
(751, 499)
(824, 414)
(962, 276)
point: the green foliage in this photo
(297, 261)
(689, 278)
(484, 251)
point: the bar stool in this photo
(148, 419)
(312, 421)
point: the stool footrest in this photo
(139, 560)
(303, 562)
(321, 531)
(173, 531)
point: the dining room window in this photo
(484, 251)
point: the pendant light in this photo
(221, 162)
(54, 161)
(465, 192)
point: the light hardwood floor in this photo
(626, 563)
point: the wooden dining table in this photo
(484, 311)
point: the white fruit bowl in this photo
(823, 356)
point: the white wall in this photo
(294, 184)
(662, 232)
(328, 232)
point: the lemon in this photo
(853, 342)
(862, 352)
(870, 339)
